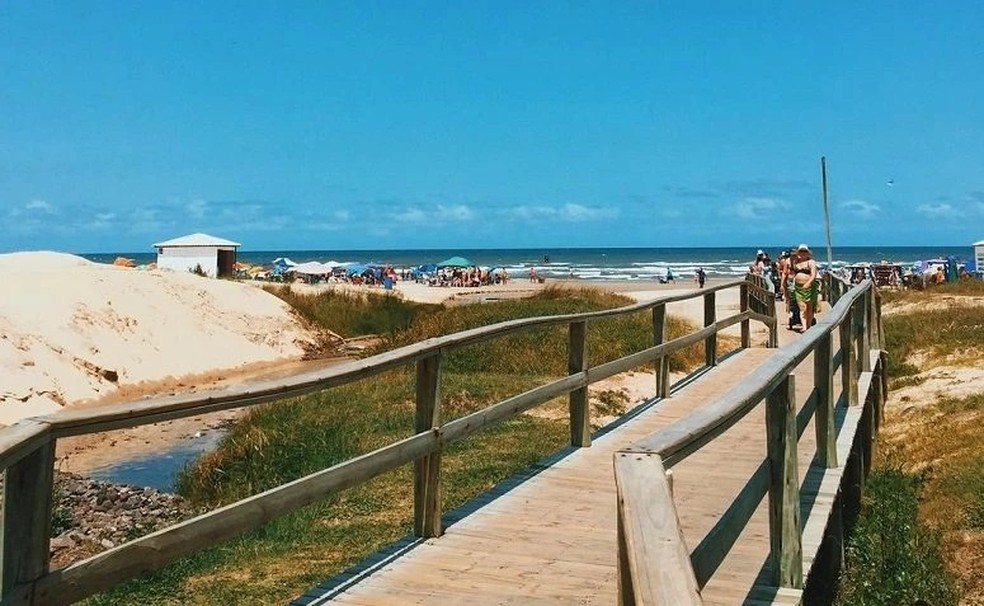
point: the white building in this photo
(979, 257)
(215, 256)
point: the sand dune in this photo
(72, 330)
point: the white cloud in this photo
(40, 205)
(571, 213)
(860, 209)
(411, 215)
(342, 215)
(937, 210)
(197, 208)
(759, 208)
(458, 212)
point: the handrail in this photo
(71, 422)
(27, 447)
(856, 315)
(675, 442)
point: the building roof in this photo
(981, 243)
(198, 239)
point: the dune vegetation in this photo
(920, 535)
(276, 443)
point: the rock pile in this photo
(89, 516)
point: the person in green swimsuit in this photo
(806, 289)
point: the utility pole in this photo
(826, 212)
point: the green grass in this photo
(352, 314)
(921, 530)
(934, 333)
(279, 442)
(891, 557)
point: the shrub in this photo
(891, 557)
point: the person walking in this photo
(700, 277)
(806, 289)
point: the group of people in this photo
(795, 279)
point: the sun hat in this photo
(760, 252)
(803, 247)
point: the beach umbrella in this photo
(455, 262)
(283, 262)
(355, 268)
(427, 268)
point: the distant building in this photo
(215, 256)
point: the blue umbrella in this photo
(455, 262)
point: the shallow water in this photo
(159, 470)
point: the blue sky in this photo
(368, 125)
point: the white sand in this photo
(66, 325)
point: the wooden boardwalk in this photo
(552, 539)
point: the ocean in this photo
(588, 263)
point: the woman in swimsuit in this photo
(805, 286)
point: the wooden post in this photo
(710, 317)
(849, 369)
(578, 399)
(786, 550)
(874, 338)
(864, 332)
(27, 518)
(662, 363)
(823, 381)
(746, 338)
(427, 470)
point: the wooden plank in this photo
(22, 439)
(786, 551)
(427, 469)
(577, 362)
(657, 567)
(26, 519)
(713, 548)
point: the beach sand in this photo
(76, 333)
(72, 331)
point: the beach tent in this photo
(455, 262)
(311, 268)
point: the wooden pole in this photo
(710, 317)
(826, 213)
(577, 362)
(427, 470)
(746, 338)
(786, 549)
(27, 518)
(662, 363)
(823, 381)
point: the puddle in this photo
(159, 470)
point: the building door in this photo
(227, 263)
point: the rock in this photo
(100, 515)
(60, 542)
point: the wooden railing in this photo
(27, 448)
(655, 566)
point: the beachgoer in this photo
(758, 265)
(669, 275)
(806, 289)
(700, 277)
